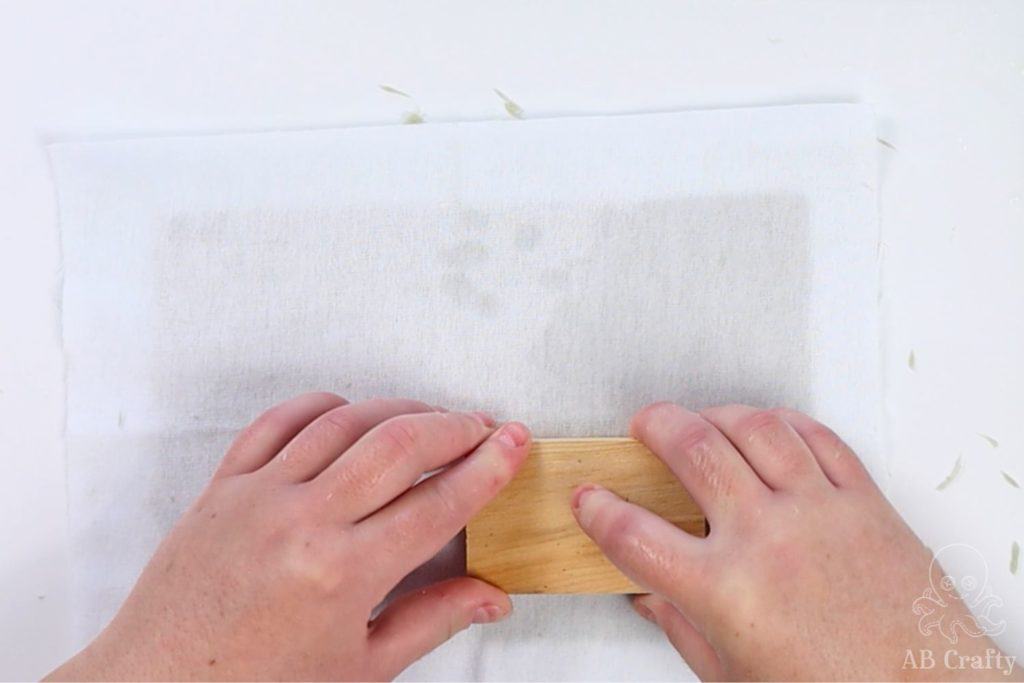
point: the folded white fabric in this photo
(563, 272)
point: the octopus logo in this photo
(958, 602)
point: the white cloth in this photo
(563, 272)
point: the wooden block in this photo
(527, 541)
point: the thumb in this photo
(683, 635)
(422, 620)
(651, 551)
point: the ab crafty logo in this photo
(958, 605)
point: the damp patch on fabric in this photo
(638, 303)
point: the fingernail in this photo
(513, 435)
(439, 409)
(644, 611)
(485, 614)
(484, 418)
(588, 503)
(579, 493)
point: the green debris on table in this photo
(952, 475)
(513, 109)
(989, 440)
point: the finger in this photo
(414, 527)
(683, 635)
(268, 433)
(771, 446)
(331, 434)
(714, 473)
(649, 550)
(837, 460)
(392, 456)
(421, 621)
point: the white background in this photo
(946, 81)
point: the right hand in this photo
(808, 571)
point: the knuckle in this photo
(342, 421)
(358, 479)
(399, 436)
(647, 418)
(306, 550)
(352, 483)
(658, 407)
(446, 497)
(270, 420)
(311, 559)
(452, 430)
(693, 438)
(761, 424)
(444, 592)
(822, 434)
(766, 430)
(623, 538)
(615, 524)
(704, 460)
(243, 440)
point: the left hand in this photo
(313, 516)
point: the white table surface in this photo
(946, 80)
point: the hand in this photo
(807, 573)
(313, 516)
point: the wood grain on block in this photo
(527, 541)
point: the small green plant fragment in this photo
(409, 117)
(1010, 480)
(952, 475)
(912, 361)
(886, 144)
(395, 91)
(1014, 557)
(988, 439)
(513, 109)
